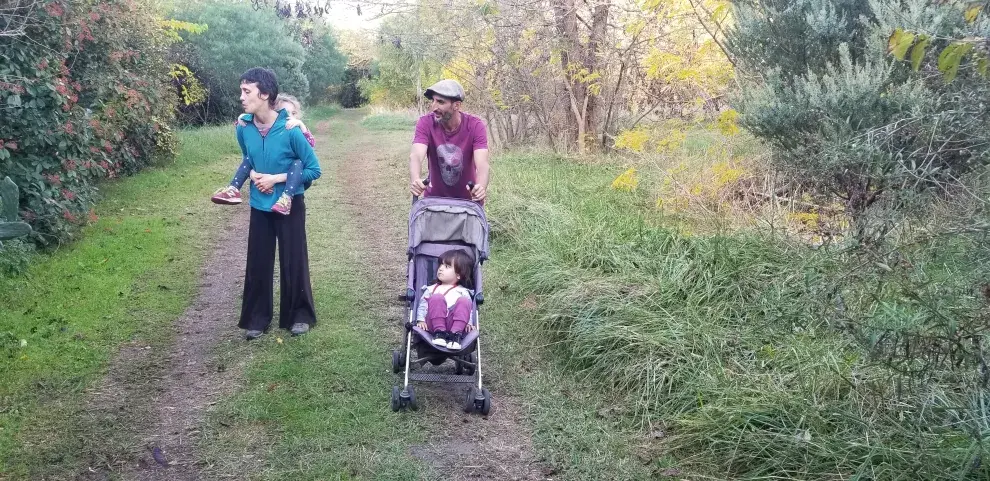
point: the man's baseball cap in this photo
(446, 88)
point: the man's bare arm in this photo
(416, 156)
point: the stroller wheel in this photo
(398, 362)
(469, 400)
(396, 399)
(411, 401)
(486, 404)
(458, 368)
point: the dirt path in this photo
(161, 391)
(371, 186)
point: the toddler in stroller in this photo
(447, 303)
(448, 242)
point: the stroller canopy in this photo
(444, 220)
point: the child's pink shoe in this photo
(283, 206)
(227, 195)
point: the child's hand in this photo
(421, 325)
(469, 328)
(292, 123)
(240, 120)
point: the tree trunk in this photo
(565, 15)
(593, 55)
(585, 107)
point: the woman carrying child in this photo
(231, 194)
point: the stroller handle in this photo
(426, 182)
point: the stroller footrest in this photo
(433, 377)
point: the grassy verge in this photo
(386, 121)
(130, 275)
(720, 355)
(320, 112)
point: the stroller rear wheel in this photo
(473, 359)
(462, 368)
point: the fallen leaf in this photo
(159, 456)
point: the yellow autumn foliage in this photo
(633, 140)
(727, 122)
(627, 181)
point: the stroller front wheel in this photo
(469, 400)
(408, 397)
(486, 403)
(396, 399)
(478, 401)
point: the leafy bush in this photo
(85, 97)
(349, 94)
(237, 38)
(844, 116)
(324, 66)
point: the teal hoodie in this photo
(274, 154)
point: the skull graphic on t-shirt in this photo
(451, 160)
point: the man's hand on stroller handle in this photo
(478, 192)
(418, 186)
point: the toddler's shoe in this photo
(227, 196)
(440, 338)
(454, 341)
(283, 206)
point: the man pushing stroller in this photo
(455, 144)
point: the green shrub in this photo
(237, 38)
(85, 97)
(324, 66)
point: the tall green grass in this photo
(734, 343)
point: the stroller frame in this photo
(467, 361)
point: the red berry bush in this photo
(84, 96)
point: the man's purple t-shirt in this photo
(451, 155)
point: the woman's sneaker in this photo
(227, 195)
(284, 205)
(454, 341)
(253, 334)
(440, 338)
(299, 329)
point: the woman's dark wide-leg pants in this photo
(288, 232)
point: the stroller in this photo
(437, 225)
